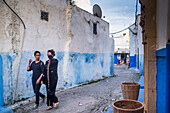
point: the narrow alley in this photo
(85, 56)
(91, 97)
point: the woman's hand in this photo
(38, 81)
(30, 61)
(28, 68)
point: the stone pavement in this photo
(95, 98)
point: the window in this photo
(44, 15)
(95, 28)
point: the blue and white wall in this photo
(133, 40)
(82, 55)
(163, 56)
(137, 48)
(140, 54)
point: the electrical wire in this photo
(132, 31)
(15, 13)
(132, 24)
(123, 29)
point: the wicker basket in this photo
(130, 90)
(128, 106)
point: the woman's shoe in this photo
(49, 108)
(35, 106)
(56, 105)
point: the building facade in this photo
(136, 47)
(81, 41)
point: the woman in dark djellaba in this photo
(51, 79)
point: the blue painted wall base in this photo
(132, 61)
(116, 61)
(141, 91)
(162, 80)
(1, 84)
(2, 109)
(168, 77)
(80, 67)
(5, 110)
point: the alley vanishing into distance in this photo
(92, 97)
(108, 42)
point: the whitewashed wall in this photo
(82, 55)
(140, 54)
(162, 24)
(136, 47)
(133, 41)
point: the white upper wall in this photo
(136, 46)
(139, 36)
(162, 23)
(67, 28)
(39, 34)
(84, 4)
(133, 41)
(82, 31)
(168, 29)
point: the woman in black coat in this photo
(51, 79)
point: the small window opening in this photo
(95, 28)
(44, 15)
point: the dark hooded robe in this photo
(51, 79)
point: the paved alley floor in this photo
(95, 98)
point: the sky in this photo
(119, 13)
